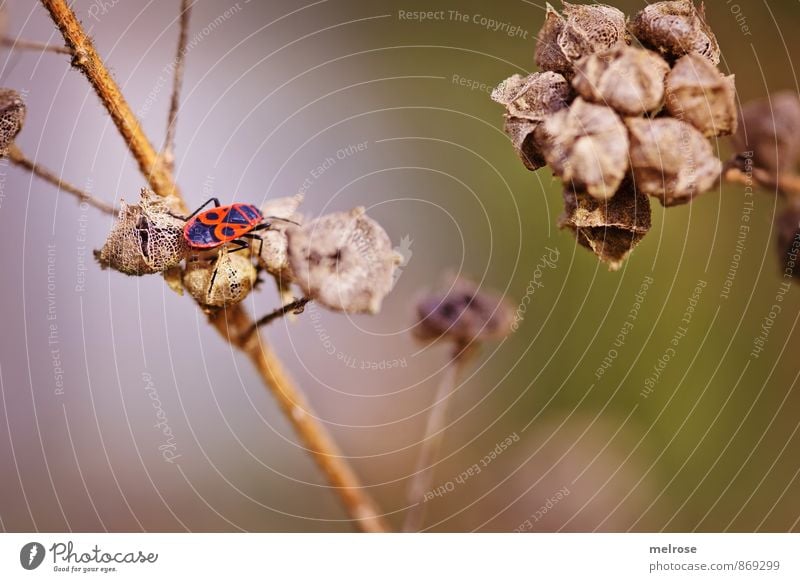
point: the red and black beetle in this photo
(233, 223)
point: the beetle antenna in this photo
(283, 219)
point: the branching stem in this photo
(18, 158)
(295, 306)
(88, 62)
(32, 45)
(177, 82)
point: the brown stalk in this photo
(86, 60)
(785, 184)
(18, 158)
(32, 45)
(180, 64)
(432, 441)
(232, 322)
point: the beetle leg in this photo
(252, 236)
(196, 212)
(240, 244)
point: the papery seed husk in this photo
(12, 117)
(235, 277)
(671, 160)
(627, 79)
(344, 261)
(463, 313)
(591, 28)
(145, 238)
(675, 28)
(699, 94)
(588, 148)
(609, 228)
(583, 30)
(535, 96)
(273, 253)
(549, 55)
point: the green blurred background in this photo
(274, 89)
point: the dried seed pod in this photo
(234, 279)
(12, 117)
(463, 313)
(527, 139)
(588, 148)
(676, 28)
(591, 28)
(343, 261)
(534, 97)
(145, 239)
(787, 227)
(274, 255)
(549, 55)
(609, 228)
(583, 30)
(629, 80)
(671, 160)
(699, 94)
(529, 100)
(770, 128)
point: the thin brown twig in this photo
(295, 306)
(432, 441)
(785, 184)
(18, 158)
(32, 45)
(168, 154)
(86, 60)
(233, 321)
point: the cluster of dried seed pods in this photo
(620, 113)
(345, 261)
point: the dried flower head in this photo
(233, 277)
(609, 228)
(629, 80)
(274, 255)
(588, 148)
(463, 313)
(671, 160)
(770, 128)
(530, 100)
(534, 97)
(676, 28)
(12, 117)
(343, 261)
(583, 30)
(699, 94)
(145, 239)
(787, 226)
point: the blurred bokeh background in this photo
(272, 91)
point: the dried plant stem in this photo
(168, 154)
(432, 441)
(232, 322)
(89, 63)
(32, 45)
(20, 159)
(295, 306)
(785, 184)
